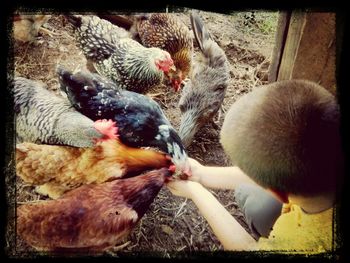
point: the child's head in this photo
(285, 136)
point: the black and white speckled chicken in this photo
(115, 55)
(43, 117)
(168, 32)
(203, 94)
(141, 121)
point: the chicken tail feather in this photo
(143, 189)
(140, 159)
(77, 87)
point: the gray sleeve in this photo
(260, 208)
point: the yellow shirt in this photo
(298, 232)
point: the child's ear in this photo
(282, 196)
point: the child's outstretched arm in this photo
(229, 232)
(218, 177)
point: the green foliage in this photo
(255, 22)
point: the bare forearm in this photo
(223, 177)
(230, 233)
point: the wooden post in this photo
(307, 45)
(119, 20)
(280, 40)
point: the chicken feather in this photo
(141, 121)
(92, 217)
(169, 33)
(115, 55)
(44, 117)
(56, 169)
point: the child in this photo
(284, 137)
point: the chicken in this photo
(141, 121)
(43, 117)
(91, 218)
(26, 27)
(57, 169)
(162, 30)
(118, 57)
(168, 32)
(203, 94)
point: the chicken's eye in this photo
(182, 85)
(219, 88)
(182, 107)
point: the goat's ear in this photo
(200, 32)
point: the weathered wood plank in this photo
(315, 59)
(280, 40)
(305, 49)
(295, 33)
(119, 20)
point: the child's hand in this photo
(197, 169)
(183, 188)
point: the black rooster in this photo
(140, 120)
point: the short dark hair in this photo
(286, 137)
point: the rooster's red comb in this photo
(108, 128)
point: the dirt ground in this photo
(172, 224)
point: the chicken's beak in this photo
(176, 85)
(183, 170)
(172, 168)
(186, 173)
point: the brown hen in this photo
(92, 217)
(56, 169)
(169, 33)
(26, 27)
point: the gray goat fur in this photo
(203, 94)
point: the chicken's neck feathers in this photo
(182, 61)
(138, 62)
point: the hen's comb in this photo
(108, 128)
(172, 168)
